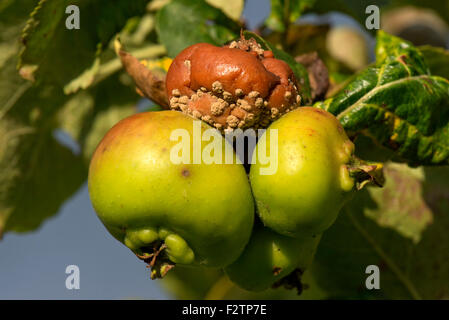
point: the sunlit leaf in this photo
(397, 103)
(232, 8)
(60, 54)
(182, 23)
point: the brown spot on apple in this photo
(185, 172)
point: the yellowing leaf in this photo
(400, 203)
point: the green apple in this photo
(166, 212)
(269, 257)
(312, 181)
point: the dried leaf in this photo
(318, 74)
(150, 84)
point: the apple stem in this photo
(366, 172)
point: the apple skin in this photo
(312, 181)
(203, 213)
(269, 257)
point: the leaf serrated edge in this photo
(31, 23)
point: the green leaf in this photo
(232, 8)
(103, 121)
(284, 12)
(56, 54)
(437, 59)
(84, 80)
(89, 115)
(397, 103)
(298, 69)
(182, 23)
(38, 174)
(11, 11)
(407, 269)
(71, 117)
(12, 19)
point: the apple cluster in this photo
(260, 228)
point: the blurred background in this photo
(33, 264)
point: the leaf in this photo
(407, 269)
(400, 203)
(37, 173)
(13, 12)
(182, 23)
(84, 80)
(150, 83)
(12, 19)
(89, 114)
(74, 113)
(397, 103)
(138, 29)
(103, 121)
(284, 12)
(13, 16)
(58, 54)
(437, 59)
(232, 8)
(37, 176)
(112, 101)
(97, 73)
(299, 70)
